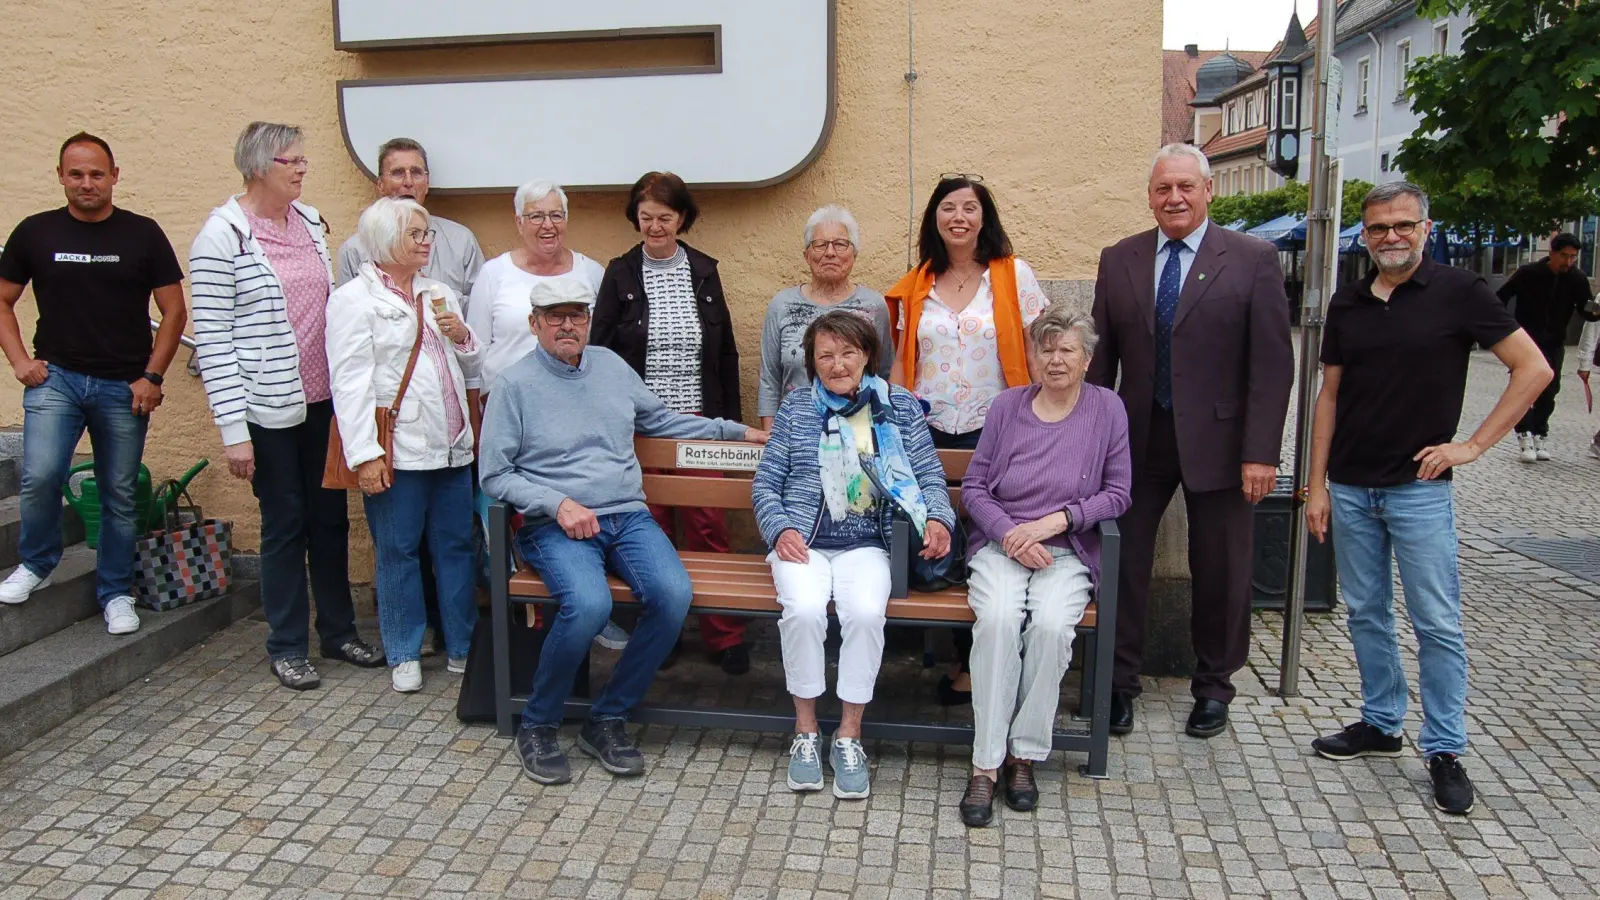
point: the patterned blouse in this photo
(303, 275)
(455, 418)
(958, 360)
(672, 351)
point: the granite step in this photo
(11, 529)
(69, 599)
(53, 679)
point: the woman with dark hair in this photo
(846, 456)
(662, 310)
(959, 319)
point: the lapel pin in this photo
(1202, 276)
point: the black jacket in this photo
(1546, 301)
(622, 323)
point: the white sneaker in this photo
(407, 677)
(1525, 447)
(120, 617)
(1541, 448)
(20, 583)
(455, 666)
(1594, 451)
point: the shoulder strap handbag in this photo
(336, 473)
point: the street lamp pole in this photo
(1321, 253)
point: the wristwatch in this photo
(153, 377)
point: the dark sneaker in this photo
(977, 807)
(1022, 792)
(542, 759)
(296, 673)
(735, 660)
(1452, 790)
(607, 740)
(1358, 740)
(356, 652)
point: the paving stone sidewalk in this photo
(209, 781)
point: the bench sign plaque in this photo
(710, 455)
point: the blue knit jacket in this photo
(787, 492)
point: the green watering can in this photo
(146, 516)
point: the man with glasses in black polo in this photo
(1395, 354)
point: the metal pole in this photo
(1318, 286)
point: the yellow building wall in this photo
(1054, 102)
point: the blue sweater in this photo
(552, 431)
(787, 491)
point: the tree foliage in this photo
(1292, 197)
(1509, 127)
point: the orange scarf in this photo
(905, 310)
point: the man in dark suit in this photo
(1194, 319)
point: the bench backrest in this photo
(726, 465)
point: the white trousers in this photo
(857, 581)
(1021, 646)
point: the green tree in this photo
(1509, 128)
(1291, 197)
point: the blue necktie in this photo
(1167, 291)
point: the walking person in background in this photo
(261, 280)
(94, 268)
(959, 318)
(1193, 318)
(453, 260)
(661, 308)
(394, 332)
(1395, 352)
(1547, 292)
(831, 242)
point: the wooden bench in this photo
(740, 584)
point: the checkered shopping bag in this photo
(184, 563)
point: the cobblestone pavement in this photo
(209, 781)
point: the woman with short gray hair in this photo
(396, 339)
(1052, 464)
(261, 277)
(831, 241)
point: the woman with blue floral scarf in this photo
(848, 454)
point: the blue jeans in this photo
(633, 546)
(438, 501)
(55, 416)
(1416, 523)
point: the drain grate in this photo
(1579, 556)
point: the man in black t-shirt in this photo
(93, 268)
(1395, 354)
(1548, 292)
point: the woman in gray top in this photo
(832, 239)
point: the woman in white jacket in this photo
(260, 278)
(373, 323)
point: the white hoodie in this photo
(242, 335)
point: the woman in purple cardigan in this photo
(1051, 465)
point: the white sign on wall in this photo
(756, 116)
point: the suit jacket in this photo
(1232, 364)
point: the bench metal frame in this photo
(1095, 695)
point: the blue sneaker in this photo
(805, 763)
(848, 760)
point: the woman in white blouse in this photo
(498, 311)
(960, 317)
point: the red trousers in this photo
(704, 530)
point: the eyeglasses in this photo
(416, 173)
(840, 246)
(1403, 229)
(539, 218)
(298, 162)
(571, 318)
(969, 176)
(423, 237)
